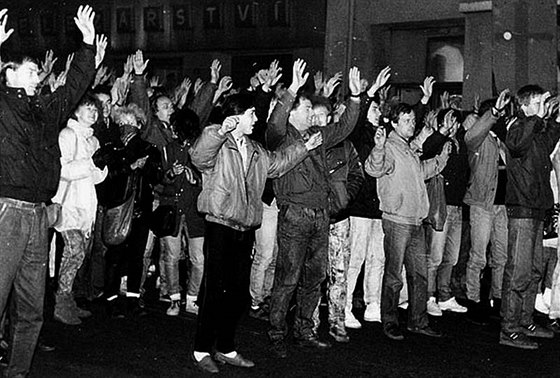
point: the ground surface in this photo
(158, 346)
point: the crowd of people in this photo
(276, 196)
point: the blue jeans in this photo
(264, 259)
(170, 246)
(303, 237)
(23, 267)
(487, 226)
(522, 273)
(444, 252)
(404, 243)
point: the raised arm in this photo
(205, 148)
(337, 132)
(380, 162)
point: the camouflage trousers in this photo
(337, 274)
(76, 246)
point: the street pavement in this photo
(157, 345)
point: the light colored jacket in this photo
(402, 192)
(231, 196)
(78, 177)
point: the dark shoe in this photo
(259, 313)
(206, 365)
(238, 360)
(312, 342)
(535, 330)
(339, 334)
(517, 340)
(477, 314)
(393, 332)
(278, 348)
(44, 346)
(554, 325)
(133, 308)
(426, 331)
(65, 310)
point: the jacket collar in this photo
(15, 92)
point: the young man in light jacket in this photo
(234, 170)
(404, 203)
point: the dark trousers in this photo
(127, 259)
(522, 273)
(301, 263)
(23, 268)
(224, 293)
(404, 244)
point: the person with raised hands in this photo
(234, 170)
(303, 200)
(530, 140)
(404, 202)
(30, 171)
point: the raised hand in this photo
(229, 124)
(427, 89)
(138, 62)
(299, 76)
(449, 122)
(331, 84)
(354, 81)
(215, 71)
(318, 80)
(430, 120)
(197, 85)
(4, 35)
(314, 141)
(99, 75)
(225, 84)
(380, 137)
(119, 90)
(84, 22)
(503, 100)
(47, 65)
(155, 82)
(543, 107)
(274, 74)
(101, 46)
(382, 78)
(444, 100)
(128, 65)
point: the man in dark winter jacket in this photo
(530, 140)
(29, 175)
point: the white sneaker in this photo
(403, 305)
(433, 307)
(540, 304)
(350, 320)
(452, 305)
(191, 306)
(372, 313)
(173, 309)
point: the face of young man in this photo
(26, 76)
(405, 125)
(87, 114)
(302, 116)
(105, 101)
(321, 116)
(164, 109)
(246, 122)
(374, 113)
(533, 107)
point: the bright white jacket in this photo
(78, 177)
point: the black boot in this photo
(133, 308)
(477, 313)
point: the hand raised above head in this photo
(84, 22)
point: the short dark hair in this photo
(14, 63)
(400, 108)
(86, 100)
(524, 94)
(320, 101)
(299, 98)
(237, 104)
